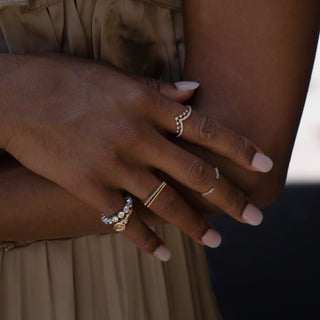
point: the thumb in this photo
(180, 91)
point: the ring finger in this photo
(170, 206)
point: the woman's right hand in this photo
(96, 132)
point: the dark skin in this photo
(95, 142)
(254, 60)
(254, 76)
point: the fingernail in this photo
(162, 253)
(187, 85)
(252, 215)
(261, 162)
(211, 238)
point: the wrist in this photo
(10, 76)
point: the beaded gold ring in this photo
(180, 118)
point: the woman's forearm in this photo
(253, 62)
(34, 208)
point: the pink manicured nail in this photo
(162, 253)
(252, 215)
(261, 162)
(186, 85)
(211, 239)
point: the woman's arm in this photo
(97, 132)
(34, 208)
(253, 60)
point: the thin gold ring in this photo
(207, 192)
(155, 194)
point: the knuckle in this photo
(108, 154)
(108, 158)
(199, 173)
(152, 83)
(206, 128)
(235, 202)
(145, 94)
(134, 135)
(169, 204)
(130, 134)
(144, 98)
(137, 96)
(239, 146)
(138, 92)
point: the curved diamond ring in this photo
(180, 118)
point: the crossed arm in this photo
(253, 61)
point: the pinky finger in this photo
(145, 239)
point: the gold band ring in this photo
(155, 194)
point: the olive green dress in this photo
(103, 277)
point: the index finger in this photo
(200, 129)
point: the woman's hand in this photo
(96, 132)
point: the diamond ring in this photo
(120, 219)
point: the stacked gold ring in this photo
(155, 194)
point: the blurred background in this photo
(273, 271)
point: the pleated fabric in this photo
(103, 276)
(144, 37)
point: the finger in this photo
(198, 175)
(181, 91)
(145, 239)
(170, 206)
(233, 202)
(109, 203)
(205, 131)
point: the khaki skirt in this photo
(103, 277)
